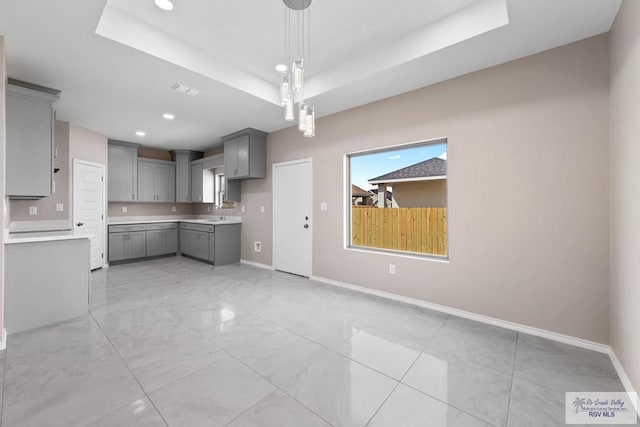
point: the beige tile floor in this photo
(174, 342)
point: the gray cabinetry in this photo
(227, 244)
(156, 181)
(183, 160)
(245, 154)
(123, 171)
(162, 239)
(194, 241)
(196, 182)
(126, 242)
(30, 118)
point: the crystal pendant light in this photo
(288, 110)
(310, 128)
(285, 92)
(297, 70)
(302, 117)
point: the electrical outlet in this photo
(392, 269)
(208, 208)
(242, 209)
(173, 208)
(261, 209)
(33, 210)
(324, 206)
(59, 207)
(124, 209)
(257, 246)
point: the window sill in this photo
(410, 255)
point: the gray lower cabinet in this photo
(195, 241)
(162, 239)
(127, 245)
(227, 244)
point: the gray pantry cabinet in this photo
(162, 239)
(245, 154)
(30, 147)
(123, 171)
(156, 180)
(127, 242)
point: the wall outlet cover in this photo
(392, 269)
(242, 209)
(261, 209)
(257, 246)
(173, 208)
(324, 206)
(124, 209)
(33, 210)
(59, 207)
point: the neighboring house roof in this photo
(359, 192)
(434, 168)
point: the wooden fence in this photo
(422, 230)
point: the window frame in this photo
(347, 232)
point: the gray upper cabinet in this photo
(183, 160)
(123, 171)
(30, 118)
(245, 154)
(196, 182)
(156, 180)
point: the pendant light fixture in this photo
(292, 83)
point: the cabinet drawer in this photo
(124, 228)
(161, 226)
(197, 227)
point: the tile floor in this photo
(174, 342)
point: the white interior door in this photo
(292, 208)
(88, 207)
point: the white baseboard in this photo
(3, 341)
(624, 378)
(578, 342)
(257, 264)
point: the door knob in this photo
(80, 224)
(306, 226)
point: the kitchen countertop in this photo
(41, 236)
(214, 220)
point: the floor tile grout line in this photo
(130, 371)
(515, 352)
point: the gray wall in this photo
(624, 161)
(528, 228)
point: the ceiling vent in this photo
(179, 87)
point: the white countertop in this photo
(210, 220)
(41, 236)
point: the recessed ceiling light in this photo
(164, 4)
(281, 68)
(140, 133)
(168, 116)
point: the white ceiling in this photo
(116, 60)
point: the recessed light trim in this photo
(281, 68)
(141, 133)
(164, 4)
(168, 116)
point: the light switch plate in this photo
(124, 209)
(242, 209)
(59, 207)
(261, 209)
(323, 206)
(33, 210)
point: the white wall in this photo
(527, 192)
(624, 185)
(3, 202)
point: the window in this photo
(398, 199)
(219, 188)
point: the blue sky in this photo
(367, 166)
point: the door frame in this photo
(308, 160)
(104, 203)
